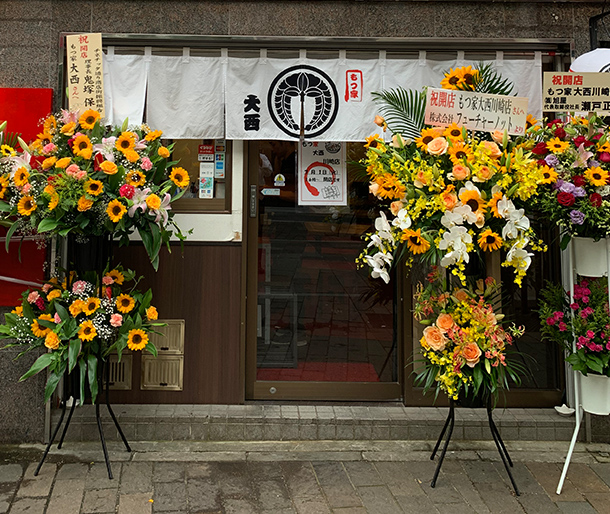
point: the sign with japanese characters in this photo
(320, 100)
(583, 92)
(85, 72)
(322, 174)
(476, 111)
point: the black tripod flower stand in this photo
(449, 424)
(94, 254)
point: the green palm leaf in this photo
(490, 81)
(9, 138)
(403, 110)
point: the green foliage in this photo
(403, 109)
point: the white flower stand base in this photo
(591, 393)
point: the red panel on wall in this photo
(23, 109)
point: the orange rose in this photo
(444, 322)
(485, 173)
(434, 338)
(374, 188)
(396, 206)
(398, 141)
(438, 146)
(460, 172)
(471, 353)
(498, 136)
(461, 295)
(492, 149)
(450, 200)
(109, 167)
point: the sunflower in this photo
(84, 204)
(116, 210)
(151, 313)
(473, 199)
(603, 147)
(459, 151)
(489, 241)
(596, 176)
(137, 339)
(371, 141)
(155, 134)
(7, 151)
(415, 241)
(467, 77)
(180, 177)
(530, 121)
(21, 177)
(37, 329)
(126, 141)
(454, 132)
(87, 331)
(26, 206)
(81, 146)
(3, 186)
(88, 119)
(91, 305)
(153, 202)
(493, 204)
(54, 202)
(76, 307)
(427, 135)
(94, 187)
(52, 341)
(49, 125)
(549, 175)
(451, 79)
(125, 303)
(135, 178)
(556, 145)
(117, 276)
(390, 187)
(63, 162)
(163, 152)
(68, 129)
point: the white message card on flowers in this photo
(572, 91)
(476, 111)
(85, 72)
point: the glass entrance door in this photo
(318, 327)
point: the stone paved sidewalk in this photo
(382, 477)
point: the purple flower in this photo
(567, 187)
(579, 192)
(558, 183)
(577, 217)
(552, 160)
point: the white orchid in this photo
(378, 262)
(466, 212)
(451, 219)
(402, 220)
(383, 227)
(455, 241)
(518, 256)
(517, 222)
(505, 207)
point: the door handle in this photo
(253, 200)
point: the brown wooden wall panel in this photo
(202, 286)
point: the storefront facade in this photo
(265, 301)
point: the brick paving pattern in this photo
(303, 477)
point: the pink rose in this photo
(80, 175)
(562, 326)
(79, 287)
(116, 320)
(56, 318)
(46, 288)
(146, 164)
(33, 296)
(438, 146)
(26, 188)
(107, 281)
(72, 169)
(49, 148)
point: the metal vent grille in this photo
(172, 340)
(164, 373)
(120, 372)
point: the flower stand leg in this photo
(116, 422)
(450, 421)
(53, 436)
(63, 434)
(501, 448)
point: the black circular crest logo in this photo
(311, 86)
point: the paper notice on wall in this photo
(206, 180)
(322, 174)
(476, 111)
(205, 152)
(85, 72)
